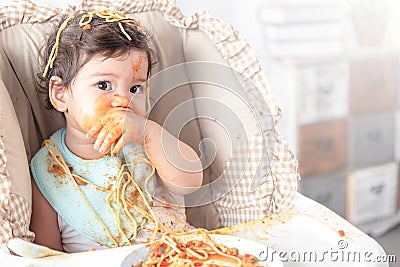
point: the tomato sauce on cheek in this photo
(101, 106)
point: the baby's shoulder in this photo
(55, 139)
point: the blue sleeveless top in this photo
(62, 194)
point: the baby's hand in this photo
(117, 127)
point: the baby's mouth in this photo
(124, 109)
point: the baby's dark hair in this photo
(78, 44)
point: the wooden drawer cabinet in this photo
(329, 190)
(372, 193)
(322, 147)
(323, 91)
(371, 139)
(373, 83)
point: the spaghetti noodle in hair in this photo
(109, 16)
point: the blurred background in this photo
(333, 67)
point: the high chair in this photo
(208, 88)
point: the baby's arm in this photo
(181, 174)
(44, 222)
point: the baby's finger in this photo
(114, 134)
(95, 129)
(122, 142)
(107, 128)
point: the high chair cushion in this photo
(251, 174)
(15, 194)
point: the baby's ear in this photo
(57, 94)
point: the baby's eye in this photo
(106, 86)
(136, 89)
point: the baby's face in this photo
(103, 85)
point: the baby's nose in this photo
(120, 101)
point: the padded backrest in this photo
(18, 71)
(207, 88)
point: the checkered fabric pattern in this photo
(279, 175)
(5, 182)
(275, 179)
(14, 210)
(24, 11)
(257, 183)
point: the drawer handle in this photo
(325, 89)
(374, 135)
(377, 82)
(324, 144)
(377, 189)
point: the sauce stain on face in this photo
(136, 67)
(120, 101)
(102, 105)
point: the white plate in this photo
(243, 245)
